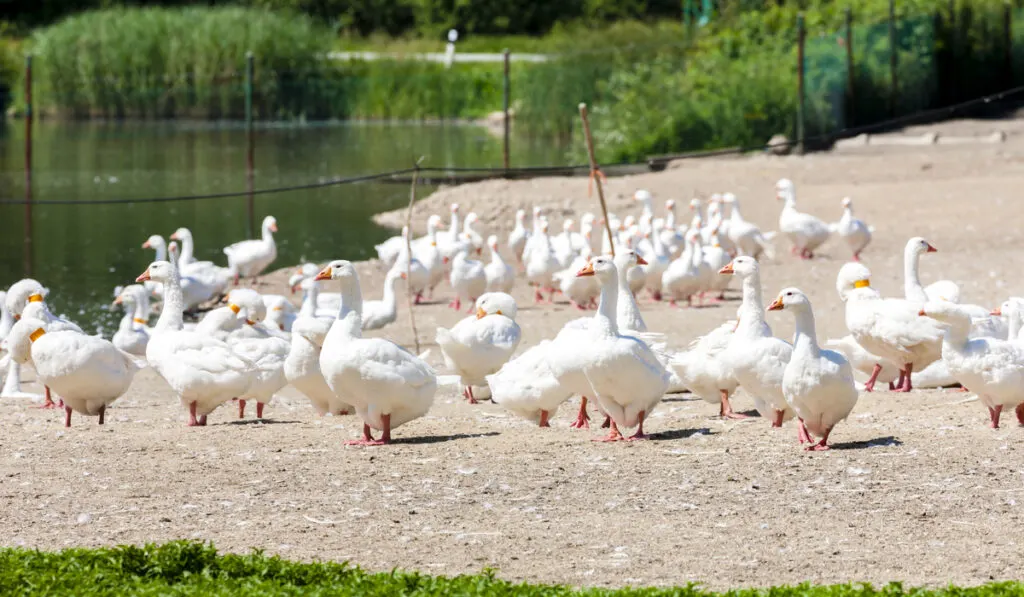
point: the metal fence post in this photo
(250, 158)
(893, 60)
(28, 165)
(801, 37)
(851, 80)
(507, 91)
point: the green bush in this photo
(188, 568)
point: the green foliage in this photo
(186, 568)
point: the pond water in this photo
(81, 252)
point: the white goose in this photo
(818, 383)
(852, 230)
(626, 377)
(205, 271)
(541, 263)
(747, 237)
(500, 275)
(519, 235)
(887, 328)
(804, 231)
(418, 277)
(202, 371)
(526, 386)
(481, 344)
(267, 353)
(377, 314)
(706, 373)
(248, 258)
(468, 278)
(18, 296)
(469, 233)
(716, 257)
(429, 255)
(302, 367)
(992, 368)
(387, 385)
(581, 291)
(563, 245)
(756, 358)
(131, 335)
(87, 372)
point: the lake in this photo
(81, 252)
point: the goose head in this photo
(603, 268)
(180, 234)
(587, 219)
(1010, 308)
(568, 225)
(337, 270)
(741, 266)
(471, 218)
(433, 223)
(847, 203)
(295, 282)
(670, 204)
(454, 208)
(790, 298)
(627, 223)
(695, 205)
(624, 260)
(22, 293)
(492, 242)
(158, 271)
(917, 246)
(496, 303)
(852, 276)
(784, 189)
(520, 216)
(154, 242)
(308, 270)
(643, 196)
(250, 301)
(19, 341)
(269, 224)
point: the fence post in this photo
(893, 51)
(1008, 42)
(507, 91)
(801, 38)
(28, 166)
(250, 158)
(851, 95)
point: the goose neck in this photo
(268, 235)
(912, 289)
(607, 307)
(140, 314)
(309, 301)
(1013, 321)
(350, 312)
(752, 309)
(186, 250)
(127, 322)
(174, 304)
(805, 339)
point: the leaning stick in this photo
(595, 175)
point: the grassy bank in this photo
(168, 63)
(184, 568)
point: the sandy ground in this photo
(918, 489)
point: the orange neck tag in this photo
(862, 283)
(234, 308)
(35, 298)
(36, 334)
(140, 320)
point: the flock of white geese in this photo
(250, 346)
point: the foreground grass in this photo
(189, 568)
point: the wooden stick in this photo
(595, 174)
(408, 248)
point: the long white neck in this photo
(390, 299)
(670, 218)
(1013, 320)
(186, 250)
(174, 304)
(161, 250)
(698, 253)
(912, 289)
(350, 312)
(847, 214)
(627, 312)
(309, 300)
(127, 323)
(752, 310)
(805, 340)
(607, 308)
(268, 236)
(140, 314)
(453, 229)
(496, 258)
(735, 215)
(957, 335)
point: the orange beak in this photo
(146, 245)
(295, 289)
(250, 322)
(117, 301)
(727, 269)
(640, 260)
(480, 313)
(588, 270)
(403, 275)
(444, 260)
(931, 249)
(325, 274)
(273, 227)
(776, 304)
(174, 236)
(996, 311)
(143, 277)
(922, 313)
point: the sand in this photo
(917, 489)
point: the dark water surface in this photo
(82, 251)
